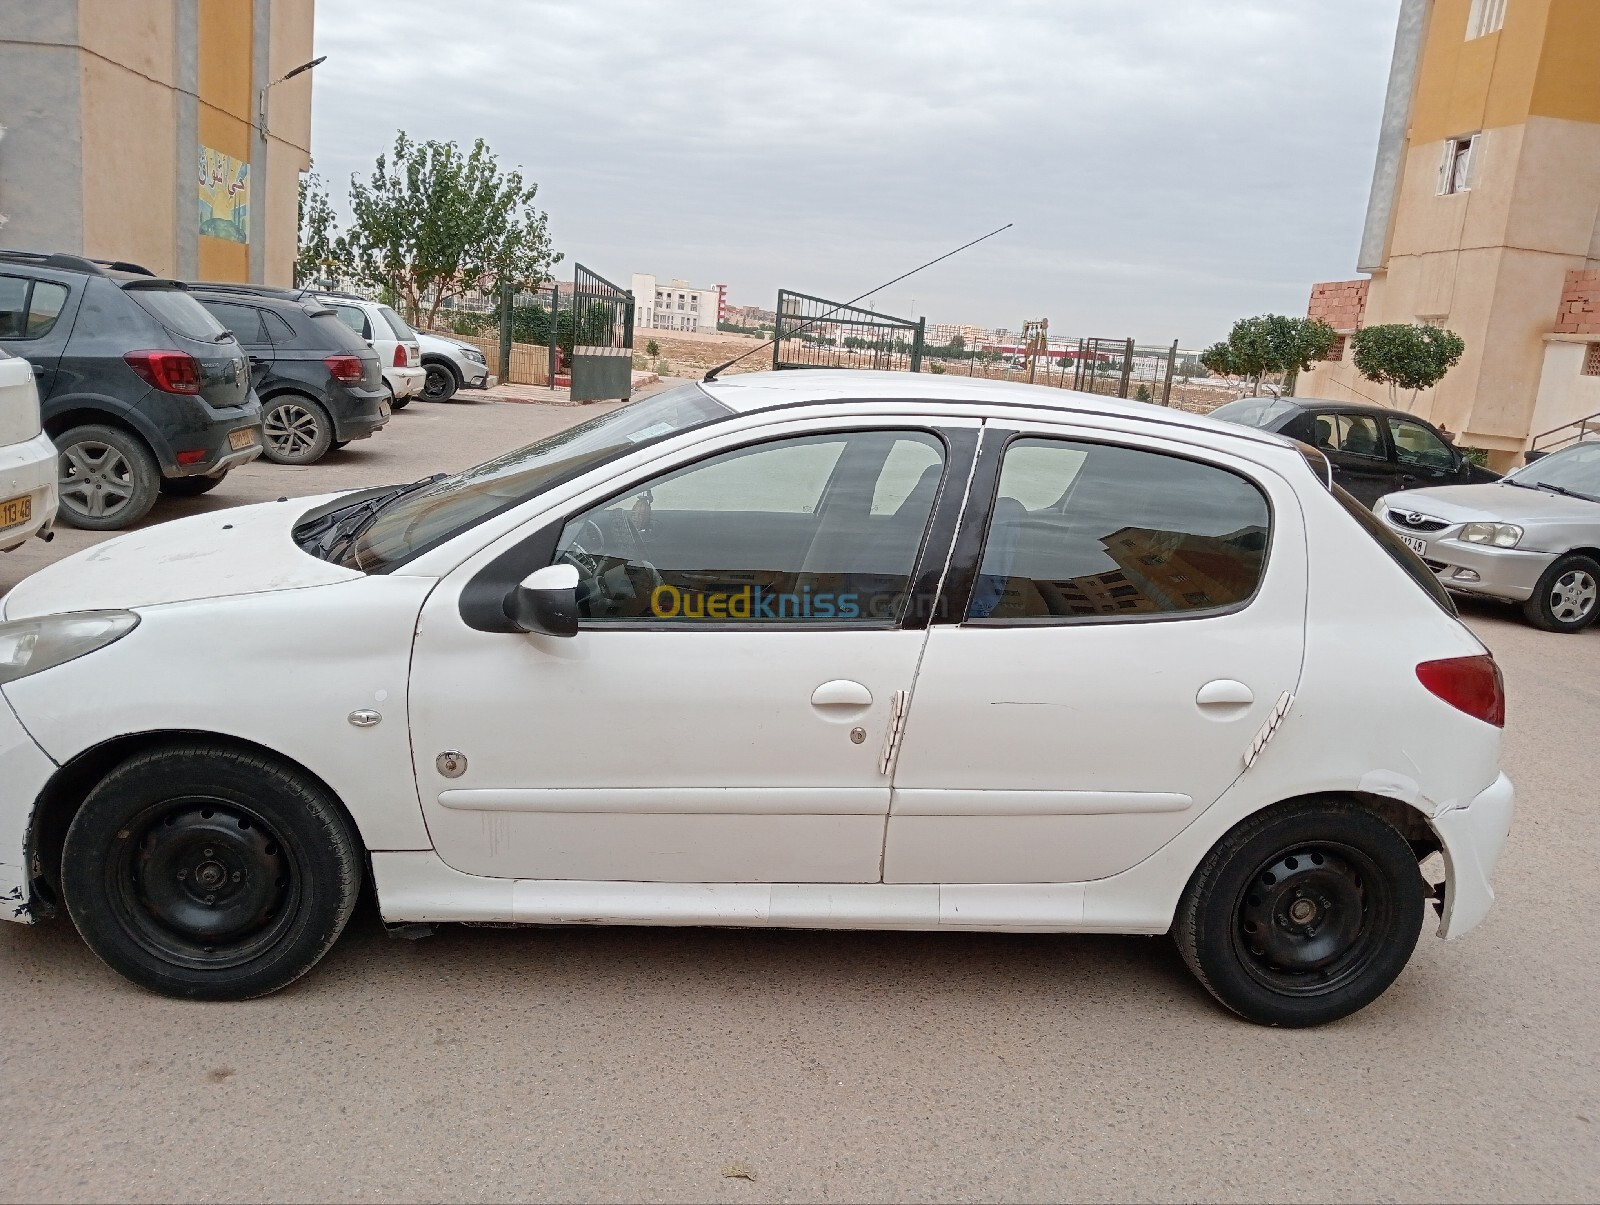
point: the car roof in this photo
(754, 391)
(273, 301)
(1324, 403)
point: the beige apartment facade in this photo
(1485, 218)
(133, 131)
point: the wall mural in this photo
(224, 196)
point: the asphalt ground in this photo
(704, 1065)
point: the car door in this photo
(247, 324)
(1356, 444)
(747, 635)
(35, 319)
(1421, 456)
(1121, 619)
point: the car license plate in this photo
(1420, 547)
(15, 510)
(244, 437)
(383, 409)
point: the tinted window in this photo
(1352, 434)
(13, 307)
(1416, 444)
(324, 329)
(44, 307)
(397, 324)
(799, 530)
(178, 312)
(1092, 531)
(1253, 411)
(355, 318)
(278, 331)
(416, 520)
(1398, 552)
(243, 320)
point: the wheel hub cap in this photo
(95, 478)
(1574, 595)
(208, 874)
(290, 429)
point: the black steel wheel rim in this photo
(437, 383)
(203, 882)
(1312, 918)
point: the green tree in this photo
(1218, 358)
(1401, 355)
(652, 349)
(321, 253)
(1295, 343)
(957, 345)
(435, 222)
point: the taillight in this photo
(346, 368)
(168, 371)
(399, 355)
(1469, 684)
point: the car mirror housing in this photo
(546, 601)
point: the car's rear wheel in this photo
(441, 383)
(1302, 914)
(295, 430)
(1567, 598)
(209, 873)
(397, 403)
(189, 487)
(108, 478)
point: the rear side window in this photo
(178, 312)
(329, 331)
(1414, 566)
(29, 308)
(278, 331)
(355, 318)
(1086, 532)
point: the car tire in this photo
(108, 478)
(397, 403)
(338, 445)
(1302, 914)
(209, 873)
(295, 430)
(1567, 598)
(441, 383)
(189, 487)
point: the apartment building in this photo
(677, 305)
(1484, 218)
(152, 131)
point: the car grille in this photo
(1436, 566)
(1401, 518)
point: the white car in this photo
(809, 649)
(386, 333)
(28, 497)
(451, 364)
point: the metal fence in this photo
(813, 332)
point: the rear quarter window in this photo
(1254, 411)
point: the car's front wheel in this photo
(209, 873)
(1302, 914)
(441, 383)
(108, 479)
(1567, 598)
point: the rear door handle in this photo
(1224, 692)
(841, 692)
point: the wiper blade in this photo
(356, 519)
(1557, 489)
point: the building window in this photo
(1591, 360)
(1486, 17)
(1455, 172)
(1336, 351)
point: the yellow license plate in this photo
(244, 437)
(15, 510)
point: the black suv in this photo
(142, 391)
(319, 383)
(1373, 450)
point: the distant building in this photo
(677, 306)
(1485, 218)
(751, 316)
(135, 132)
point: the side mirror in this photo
(546, 601)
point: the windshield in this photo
(178, 312)
(1575, 469)
(417, 520)
(1253, 411)
(397, 324)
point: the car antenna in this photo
(777, 319)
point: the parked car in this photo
(1372, 449)
(27, 457)
(142, 391)
(967, 655)
(1533, 537)
(379, 326)
(450, 364)
(319, 383)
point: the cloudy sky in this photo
(1169, 165)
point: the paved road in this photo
(645, 1064)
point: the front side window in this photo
(14, 307)
(243, 320)
(1416, 444)
(821, 529)
(1085, 531)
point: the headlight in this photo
(1500, 535)
(30, 645)
(472, 353)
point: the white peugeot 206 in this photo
(814, 649)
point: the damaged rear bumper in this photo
(1473, 838)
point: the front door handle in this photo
(841, 692)
(1225, 692)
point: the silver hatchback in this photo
(1533, 537)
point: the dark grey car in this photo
(320, 384)
(141, 389)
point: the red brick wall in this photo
(1339, 303)
(1580, 304)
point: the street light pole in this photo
(261, 97)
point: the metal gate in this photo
(602, 337)
(813, 332)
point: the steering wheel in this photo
(579, 554)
